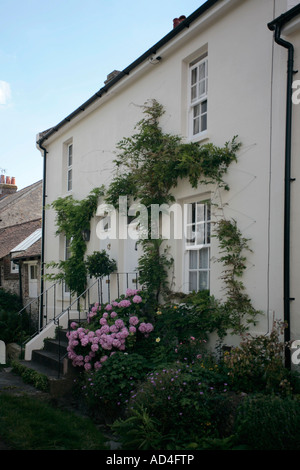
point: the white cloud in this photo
(4, 92)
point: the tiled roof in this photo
(11, 198)
(11, 236)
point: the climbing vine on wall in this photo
(72, 218)
(149, 165)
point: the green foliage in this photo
(238, 308)
(152, 162)
(153, 268)
(30, 376)
(9, 302)
(72, 217)
(183, 397)
(149, 165)
(269, 423)
(109, 388)
(99, 264)
(257, 364)
(140, 431)
(14, 328)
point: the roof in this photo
(25, 244)
(13, 235)
(284, 18)
(11, 198)
(43, 136)
(31, 252)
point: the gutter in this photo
(276, 25)
(150, 52)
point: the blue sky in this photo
(55, 54)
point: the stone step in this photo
(48, 359)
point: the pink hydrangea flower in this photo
(133, 320)
(137, 299)
(124, 303)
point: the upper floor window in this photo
(69, 166)
(198, 95)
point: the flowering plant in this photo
(110, 327)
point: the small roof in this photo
(12, 236)
(25, 244)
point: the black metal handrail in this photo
(100, 295)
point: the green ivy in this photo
(72, 218)
(149, 165)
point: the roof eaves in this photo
(153, 50)
(284, 18)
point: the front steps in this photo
(52, 361)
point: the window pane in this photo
(204, 107)
(69, 180)
(190, 235)
(200, 212)
(194, 76)
(70, 155)
(204, 258)
(202, 88)
(204, 122)
(193, 259)
(190, 213)
(203, 280)
(193, 281)
(200, 240)
(202, 70)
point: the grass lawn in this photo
(28, 423)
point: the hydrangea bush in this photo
(110, 327)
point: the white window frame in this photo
(69, 167)
(197, 244)
(198, 96)
(14, 267)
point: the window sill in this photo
(199, 138)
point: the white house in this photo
(236, 53)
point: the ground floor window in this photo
(197, 244)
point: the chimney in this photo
(7, 186)
(111, 75)
(177, 21)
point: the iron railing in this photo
(52, 302)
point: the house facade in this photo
(219, 73)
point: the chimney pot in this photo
(177, 21)
(8, 180)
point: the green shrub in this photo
(108, 389)
(257, 364)
(269, 423)
(9, 302)
(30, 376)
(140, 432)
(188, 400)
(99, 264)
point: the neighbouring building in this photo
(218, 73)
(20, 239)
